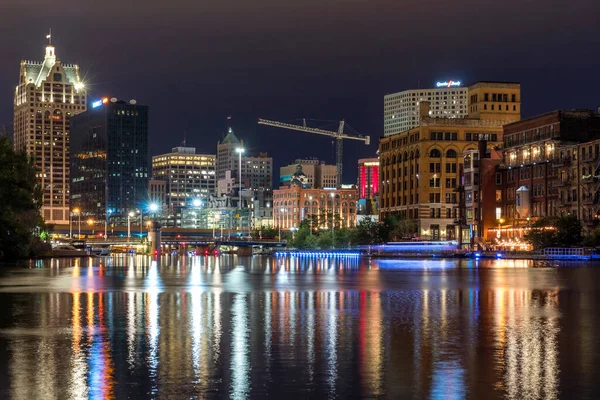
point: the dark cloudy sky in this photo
(194, 62)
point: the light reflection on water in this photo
(309, 328)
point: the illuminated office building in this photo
(49, 93)
(401, 110)
(188, 176)
(109, 160)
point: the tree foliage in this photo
(20, 199)
(564, 231)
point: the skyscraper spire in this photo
(49, 36)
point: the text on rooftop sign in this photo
(448, 84)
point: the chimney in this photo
(423, 109)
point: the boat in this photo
(66, 250)
(101, 251)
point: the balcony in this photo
(560, 162)
(587, 158)
(563, 182)
(589, 179)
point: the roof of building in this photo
(36, 71)
(230, 138)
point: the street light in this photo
(141, 222)
(240, 150)
(91, 223)
(129, 216)
(310, 213)
(279, 223)
(76, 211)
(332, 214)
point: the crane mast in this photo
(339, 135)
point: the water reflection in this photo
(242, 328)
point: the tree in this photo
(20, 199)
(564, 231)
(568, 231)
(366, 232)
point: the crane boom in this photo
(303, 128)
(339, 136)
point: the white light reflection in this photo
(152, 325)
(311, 334)
(240, 363)
(332, 342)
(131, 330)
(78, 387)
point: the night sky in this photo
(196, 62)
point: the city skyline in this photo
(268, 64)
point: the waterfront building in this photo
(481, 198)
(318, 174)
(368, 186)
(188, 176)
(448, 99)
(109, 160)
(48, 95)
(421, 168)
(551, 168)
(293, 204)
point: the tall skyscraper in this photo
(401, 110)
(189, 176)
(109, 154)
(48, 95)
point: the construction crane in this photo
(339, 136)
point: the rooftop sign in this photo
(448, 84)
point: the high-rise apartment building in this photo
(109, 160)
(421, 168)
(49, 93)
(318, 174)
(401, 110)
(188, 176)
(257, 171)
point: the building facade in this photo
(109, 160)
(421, 169)
(291, 205)
(257, 171)
(48, 95)
(318, 174)
(157, 193)
(550, 168)
(188, 176)
(368, 186)
(401, 110)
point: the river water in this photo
(229, 327)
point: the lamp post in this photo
(240, 150)
(78, 212)
(91, 224)
(310, 220)
(129, 216)
(141, 212)
(500, 222)
(279, 222)
(332, 214)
